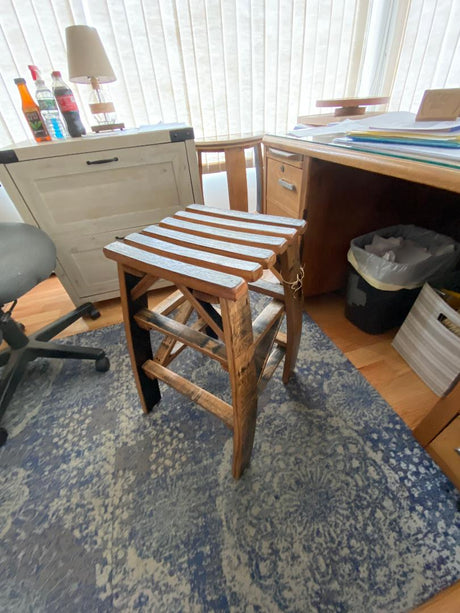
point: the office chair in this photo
(27, 257)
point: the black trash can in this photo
(373, 310)
(380, 291)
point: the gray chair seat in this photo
(27, 257)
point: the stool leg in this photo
(290, 268)
(138, 340)
(237, 327)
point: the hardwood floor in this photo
(372, 355)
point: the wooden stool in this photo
(234, 148)
(213, 256)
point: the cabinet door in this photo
(103, 191)
(445, 450)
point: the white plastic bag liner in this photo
(392, 276)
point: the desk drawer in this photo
(443, 450)
(284, 183)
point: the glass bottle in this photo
(32, 113)
(67, 105)
(48, 107)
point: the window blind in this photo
(232, 66)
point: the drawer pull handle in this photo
(285, 154)
(287, 185)
(458, 450)
(107, 161)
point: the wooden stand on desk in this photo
(346, 108)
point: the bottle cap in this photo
(34, 71)
(55, 73)
(19, 81)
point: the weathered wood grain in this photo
(271, 365)
(164, 351)
(143, 286)
(210, 281)
(274, 243)
(265, 257)
(201, 311)
(240, 226)
(267, 288)
(290, 270)
(236, 317)
(208, 401)
(260, 218)
(211, 347)
(250, 271)
(137, 340)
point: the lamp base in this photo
(108, 126)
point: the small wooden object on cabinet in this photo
(85, 192)
(213, 256)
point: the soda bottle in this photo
(48, 107)
(32, 113)
(67, 105)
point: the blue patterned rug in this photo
(104, 508)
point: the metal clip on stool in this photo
(213, 256)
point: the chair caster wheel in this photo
(94, 313)
(102, 364)
(3, 436)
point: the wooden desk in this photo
(344, 193)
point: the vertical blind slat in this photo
(233, 66)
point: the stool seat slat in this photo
(239, 226)
(299, 224)
(202, 279)
(250, 271)
(275, 243)
(265, 257)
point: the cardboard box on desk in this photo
(429, 346)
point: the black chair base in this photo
(23, 349)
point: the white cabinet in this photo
(86, 192)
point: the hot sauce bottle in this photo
(32, 113)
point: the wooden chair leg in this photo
(235, 165)
(237, 325)
(290, 269)
(138, 340)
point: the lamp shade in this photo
(86, 56)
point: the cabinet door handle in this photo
(457, 449)
(287, 185)
(106, 161)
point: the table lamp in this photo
(88, 63)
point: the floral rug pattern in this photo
(104, 508)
